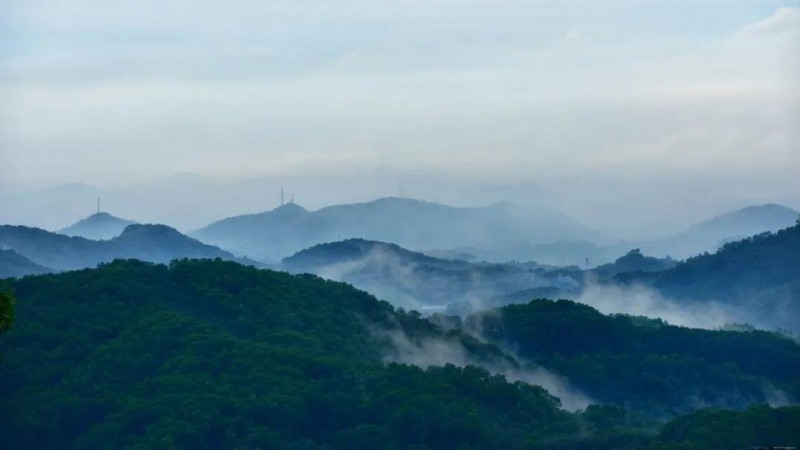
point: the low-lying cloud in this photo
(428, 352)
(639, 300)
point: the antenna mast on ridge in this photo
(281, 196)
(98, 206)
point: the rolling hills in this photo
(417, 281)
(209, 354)
(157, 243)
(273, 235)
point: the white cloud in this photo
(785, 21)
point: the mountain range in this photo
(413, 224)
(156, 243)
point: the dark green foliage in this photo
(6, 311)
(758, 276)
(759, 426)
(646, 364)
(211, 354)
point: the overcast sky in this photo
(608, 105)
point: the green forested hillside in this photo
(212, 354)
(758, 277)
(644, 364)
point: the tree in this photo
(6, 311)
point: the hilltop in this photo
(98, 226)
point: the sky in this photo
(628, 115)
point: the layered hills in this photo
(157, 243)
(98, 226)
(273, 235)
(213, 354)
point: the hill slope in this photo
(156, 243)
(417, 281)
(211, 354)
(97, 226)
(646, 364)
(272, 235)
(735, 225)
(12, 264)
(759, 276)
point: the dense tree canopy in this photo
(212, 354)
(646, 364)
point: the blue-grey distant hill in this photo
(706, 236)
(12, 264)
(414, 280)
(709, 235)
(98, 226)
(155, 243)
(414, 224)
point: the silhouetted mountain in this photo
(418, 281)
(97, 226)
(633, 261)
(711, 234)
(156, 243)
(413, 224)
(12, 264)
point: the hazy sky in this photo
(604, 104)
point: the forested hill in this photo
(156, 243)
(207, 354)
(646, 364)
(212, 354)
(759, 275)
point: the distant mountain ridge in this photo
(155, 243)
(418, 281)
(98, 226)
(12, 264)
(413, 224)
(709, 235)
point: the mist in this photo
(427, 352)
(639, 300)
